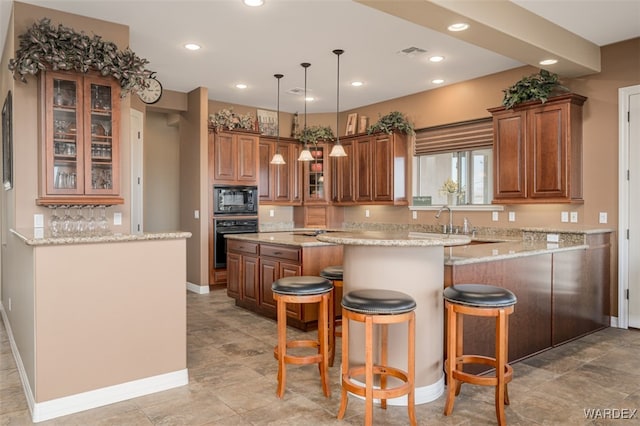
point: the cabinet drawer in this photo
(242, 246)
(280, 252)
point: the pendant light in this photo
(338, 150)
(277, 157)
(305, 154)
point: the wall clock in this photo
(152, 93)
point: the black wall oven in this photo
(237, 200)
(226, 226)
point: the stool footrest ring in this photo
(355, 388)
(474, 378)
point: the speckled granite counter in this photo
(32, 237)
(289, 238)
(394, 238)
(491, 251)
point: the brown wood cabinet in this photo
(374, 172)
(537, 151)
(253, 267)
(317, 176)
(80, 140)
(280, 184)
(233, 157)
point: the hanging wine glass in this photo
(91, 223)
(67, 222)
(54, 222)
(103, 223)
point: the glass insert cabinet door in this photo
(316, 172)
(82, 127)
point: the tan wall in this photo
(161, 174)
(124, 323)
(194, 185)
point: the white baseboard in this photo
(41, 411)
(614, 322)
(198, 289)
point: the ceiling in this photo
(249, 45)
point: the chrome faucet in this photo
(447, 229)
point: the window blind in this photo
(462, 136)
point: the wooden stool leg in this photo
(368, 412)
(501, 355)
(323, 337)
(282, 346)
(332, 330)
(345, 364)
(411, 369)
(452, 356)
(459, 347)
(384, 341)
(506, 359)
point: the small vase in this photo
(452, 199)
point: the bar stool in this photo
(334, 274)
(381, 307)
(303, 289)
(485, 301)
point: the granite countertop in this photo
(394, 238)
(492, 251)
(39, 237)
(289, 238)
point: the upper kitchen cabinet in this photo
(537, 151)
(280, 183)
(80, 149)
(374, 171)
(233, 157)
(317, 176)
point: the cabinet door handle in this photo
(278, 253)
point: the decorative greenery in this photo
(394, 121)
(449, 187)
(226, 119)
(313, 134)
(534, 87)
(45, 46)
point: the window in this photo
(462, 152)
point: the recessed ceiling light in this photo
(460, 26)
(436, 58)
(241, 86)
(356, 83)
(549, 62)
(437, 81)
(253, 3)
(192, 46)
(310, 99)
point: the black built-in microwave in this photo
(235, 199)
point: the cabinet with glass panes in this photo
(316, 182)
(80, 150)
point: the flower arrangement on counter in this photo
(226, 119)
(450, 187)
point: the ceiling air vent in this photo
(411, 51)
(296, 91)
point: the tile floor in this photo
(232, 381)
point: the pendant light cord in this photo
(305, 65)
(338, 52)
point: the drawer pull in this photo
(277, 253)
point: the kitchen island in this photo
(95, 319)
(412, 263)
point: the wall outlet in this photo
(553, 238)
(272, 212)
(367, 213)
(117, 218)
(574, 217)
(495, 216)
(512, 216)
(564, 217)
(602, 218)
(196, 214)
(38, 221)
(414, 214)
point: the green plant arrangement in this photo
(45, 46)
(538, 86)
(394, 121)
(226, 119)
(313, 134)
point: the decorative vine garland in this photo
(44, 46)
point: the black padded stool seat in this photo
(377, 308)
(379, 302)
(304, 285)
(333, 272)
(479, 295)
(479, 300)
(300, 290)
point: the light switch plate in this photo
(564, 217)
(117, 218)
(512, 216)
(366, 213)
(574, 217)
(602, 217)
(196, 214)
(494, 216)
(38, 220)
(414, 214)
(272, 212)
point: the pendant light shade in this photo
(277, 157)
(305, 154)
(338, 150)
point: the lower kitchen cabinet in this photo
(253, 267)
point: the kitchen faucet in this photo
(449, 229)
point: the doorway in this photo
(629, 201)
